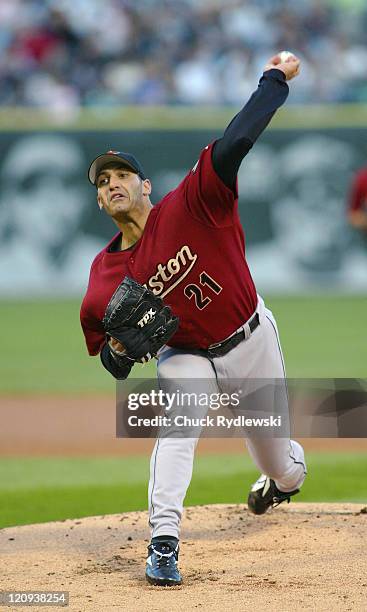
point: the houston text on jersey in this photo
(182, 262)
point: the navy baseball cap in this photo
(126, 159)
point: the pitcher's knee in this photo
(291, 479)
(289, 473)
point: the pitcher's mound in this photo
(296, 557)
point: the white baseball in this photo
(284, 55)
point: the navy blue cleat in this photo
(161, 569)
(264, 494)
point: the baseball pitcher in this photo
(174, 283)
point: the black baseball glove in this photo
(139, 320)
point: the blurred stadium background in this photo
(162, 78)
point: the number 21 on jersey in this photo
(201, 293)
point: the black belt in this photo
(222, 348)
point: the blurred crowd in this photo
(62, 54)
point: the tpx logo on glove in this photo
(147, 317)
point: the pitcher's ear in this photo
(99, 201)
(147, 187)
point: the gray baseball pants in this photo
(257, 357)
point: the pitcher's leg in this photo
(170, 475)
(172, 458)
(256, 359)
(281, 459)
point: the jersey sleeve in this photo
(93, 332)
(358, 192)
(92, 327)
(207, 198)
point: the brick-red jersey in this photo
(192, 254)
(358, 194)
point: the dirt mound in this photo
(301, 557)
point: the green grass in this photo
(43, 351)
(45, 489)
(43, 347)
(323, 336)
